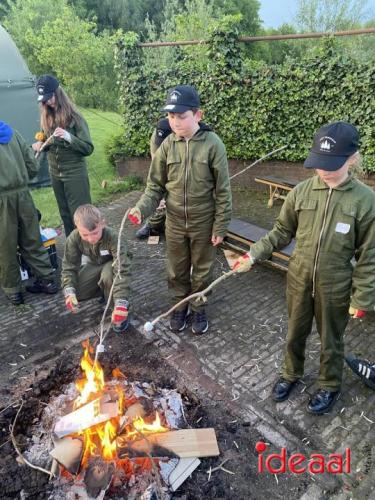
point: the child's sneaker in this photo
(200, 322)
(362, 368)
(177, 323)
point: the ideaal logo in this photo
(316, 463)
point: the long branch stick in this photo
(195, 295)
(103, 334)
(36, 467)
(257, 161)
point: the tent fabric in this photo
(18, 99)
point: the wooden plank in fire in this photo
(96, 412)
(183, 443)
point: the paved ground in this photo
(236, 361)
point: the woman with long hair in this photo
(69, 142)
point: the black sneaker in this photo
(200, 322)
(322, 401)
(42, 286)
(282, 389)
(121, 327)
(144, 232)
(15, 298)
(177, 322)
(362, 368)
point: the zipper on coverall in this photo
(320, 241)
(185, 182)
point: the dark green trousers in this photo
(19, 228)
(190, 258)
(330, 311)
(94, 279)
(70, 194)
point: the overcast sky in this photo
(276, 12)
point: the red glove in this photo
(244, 263)
(71, 301)
(135, 216)
(120, 312)
(356, 313)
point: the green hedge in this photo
(257, 109)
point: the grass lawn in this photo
(102, 125)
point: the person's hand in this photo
(63, 134)
(216, 240)
(244, 263)
(71, 301)
(162, 205)
(356, 313)
(120, 312)
(135, 216)
(36, 146)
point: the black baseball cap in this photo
(181, 98)
(332, 146)
(46, 87)
(163, 129)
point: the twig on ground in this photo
(24, 460)
(219, 467)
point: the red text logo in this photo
(297, 463)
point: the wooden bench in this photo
(241, 235)
(278, 186)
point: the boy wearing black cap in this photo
(331, 216)
(191, 167)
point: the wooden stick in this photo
(45, 143)
(36, 467)
(195, 295)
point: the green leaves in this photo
(254, 107)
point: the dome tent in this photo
(18, 99)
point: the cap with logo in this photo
(181, 98)
(46, 86)
(332, 146)
(163, 130)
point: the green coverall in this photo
(96, 277)
(194, 176)
(68, 171)
(19, 226)
(330, 226)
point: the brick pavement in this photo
(241, 354)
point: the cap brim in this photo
(45, 97)
(324, 161)
(176, 108)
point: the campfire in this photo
(116, 437)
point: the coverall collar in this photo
(198, 136)
(318, 184)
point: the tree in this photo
(330, 15)
(53, 39)
(128, 15)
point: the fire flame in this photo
(100, 439)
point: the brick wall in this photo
(139, 167)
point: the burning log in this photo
(185, 443)
(97, 411)
(68, 452)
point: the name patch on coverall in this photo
(343, 228)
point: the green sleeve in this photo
(121, 288)
(156, 181)
(29, 157)
(71, 261)
(81, 140)
(282, 232)
(153, 146)
(363, 278)
(223, 194)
